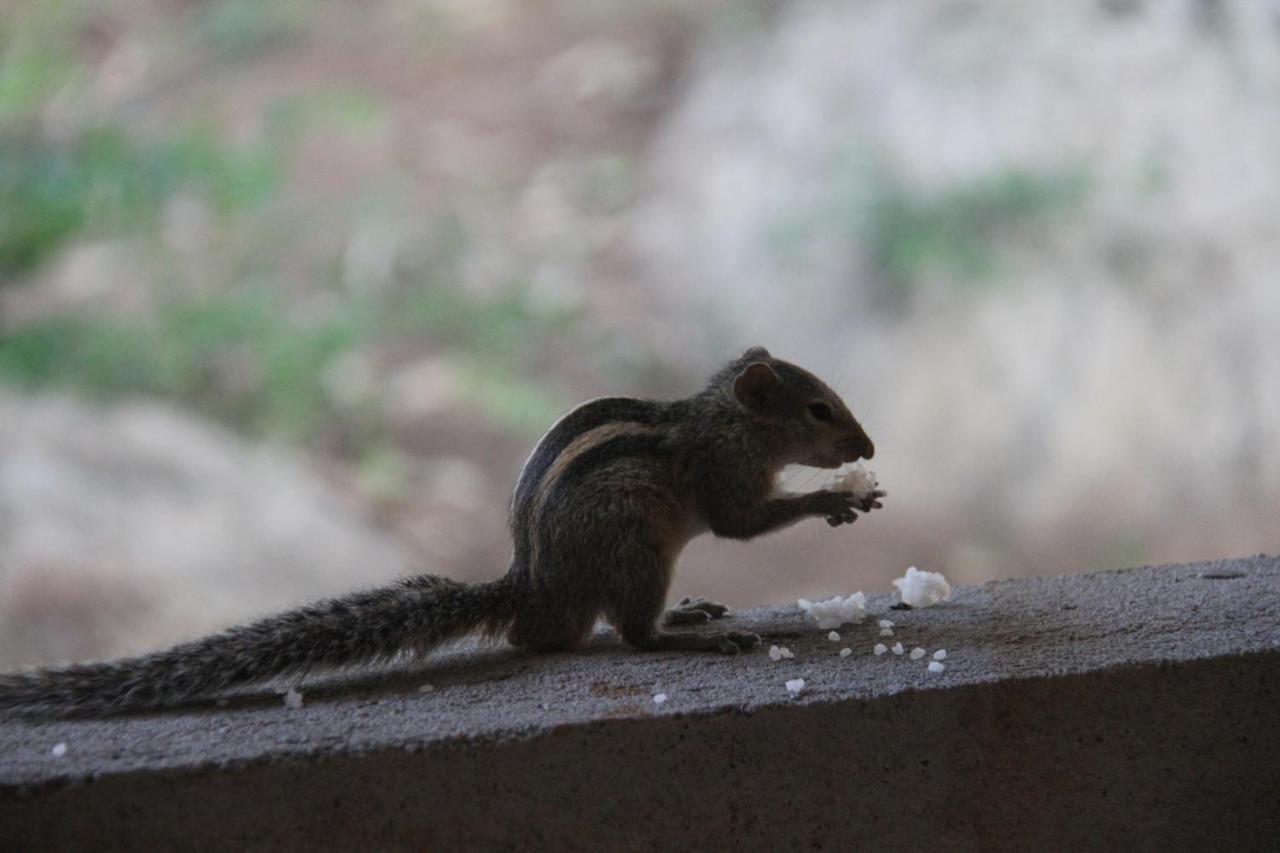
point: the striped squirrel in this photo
(599, 515)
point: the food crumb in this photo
(880, 649)
(795, 686)
(659, 698)
(293, 699)
(940, 654)
(845, 652)
(898, 649)
(917, 653)
(834, 612)
(922, 589)
(426, 688)
(833, 637)
(886, 632)
(777, 653)
(886, 623)
(858, 479)
(59, 749)
(937, 666)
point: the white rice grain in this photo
(836, 611)
(859, 479)
(922, 589)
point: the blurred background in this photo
(288, 290)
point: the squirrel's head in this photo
(812, 424)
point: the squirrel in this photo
(601, 510)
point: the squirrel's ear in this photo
(755, 385)
(756, 354)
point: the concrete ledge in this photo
(1129, 710)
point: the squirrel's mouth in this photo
(823, 461)
(839, 455)
(855, 449)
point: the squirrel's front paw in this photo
(871, 501)
(838, 507)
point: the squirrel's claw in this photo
(872, 501)
(841, 507)
(694, 611)
(679, 616)
(837, 507)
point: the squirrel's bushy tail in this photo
(364, 627)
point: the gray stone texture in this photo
(1131, 710)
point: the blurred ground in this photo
(385, 244)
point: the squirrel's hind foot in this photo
(727, 642)
(694, 611)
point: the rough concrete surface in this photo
(1129, 710)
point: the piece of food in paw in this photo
(858, 479)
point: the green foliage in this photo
(499, 325)
(909, 234)
(42, 202)
(327, 111)
(513, 400)
(37, 58)
(245, 358)
(236, 345)
(94, 176)
(234, 29)
(102, 180)
(502, 332)
(237, 356)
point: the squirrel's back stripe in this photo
(605, 449)
(596, 449)
(587, 417)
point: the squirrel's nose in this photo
(853, 449)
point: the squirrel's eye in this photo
(820, 411)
